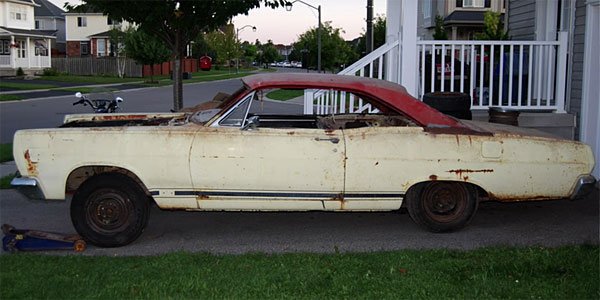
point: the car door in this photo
(265, 168)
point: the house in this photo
(462, 18)
(21, 45)
(284, 50)
(49, 17)
(88, 33)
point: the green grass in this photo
(88, 79)
(6, 153)
(166, 82)
(284, 95)
(5, 182)
(269, 70)
(25, 86)
(84, 90)
(505, 273)
(11, 97)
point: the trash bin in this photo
(455, 104)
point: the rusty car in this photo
(380, 149)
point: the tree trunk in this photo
(177, 84)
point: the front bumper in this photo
(584, 186)
(28, 187)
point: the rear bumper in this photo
(585, 185)
(28, 187)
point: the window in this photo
(84, 48)
(4, 48)
(236, 116)
(37, 24)
(101, 45)
(426, 9)
(473, 3)
(110, 21)
(22, 50)
(81, 21)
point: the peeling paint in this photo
(31, 166)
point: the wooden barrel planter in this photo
(504, 116)
(454, 104)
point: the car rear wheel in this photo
(442, 206)
(109, 210)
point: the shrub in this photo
(51, 72)
(20, 72)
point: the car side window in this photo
(237, 115)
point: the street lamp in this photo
(288, 7)
(237, 39)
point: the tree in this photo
(250, 51)
(440, 33)
(116, 39)
(270, 54)
(177, 23)
(334, 50)
(378, 36)
(224, 43)
(145, 49)
(494, 29)
(200, 47)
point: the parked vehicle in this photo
(100, 100)
(383, 150)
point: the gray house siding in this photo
(577, 68)
(521, 19)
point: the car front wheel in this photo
(442, 206)
(109, 210)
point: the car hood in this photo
(501, 129)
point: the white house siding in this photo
(577, 71)
(96, 23)
(26, 12)
(521, 19)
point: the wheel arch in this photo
(414, 188)
(81, 174)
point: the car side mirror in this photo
(119, 99)
(252, 123)
(78, 95)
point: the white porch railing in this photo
(521, 75)
(5, 60)
(36, 62)
(374, 65)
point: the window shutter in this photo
(487, 4)
(459, 3)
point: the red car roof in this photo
(388, 94)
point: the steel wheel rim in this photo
(109, 211)
(445, 202)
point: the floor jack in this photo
(32, 240)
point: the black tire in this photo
(442, 206)
(109, 210)
(464, 115)
(448, 101)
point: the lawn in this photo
(284, 95)
(25, 86)
(224, 76)
(506, 273)
(88, 79)
(11, 97)
(5, 182)
(83, 90)
(6, 153)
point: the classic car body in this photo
(229, 156)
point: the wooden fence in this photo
(95, 66)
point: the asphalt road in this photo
(544, 223)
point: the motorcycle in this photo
(101, 100)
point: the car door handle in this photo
(333, 140)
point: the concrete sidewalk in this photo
(7, 168)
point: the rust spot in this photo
(214, 156)
(470, 141)
(363, 135)
(433, 177)
(466, 178)
(455, 130)
(31, 166)
(202, 197)
(120, 117)
(515, 198)
(376, 163)
(460, 172)
(457, 140)
(291, 133)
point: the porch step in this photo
(560, 124)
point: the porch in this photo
(29, 50)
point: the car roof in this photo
(389, 94)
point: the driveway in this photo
(544, 223)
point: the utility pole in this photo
(369, 35)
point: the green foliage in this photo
(20, 72)
(284, 95)
(224, 43)
(490, 273)
(25, 86)
(146, 49)
(493, 27)
(51, 72)
(334, 49)
(440, 33)
(378, 36)
(6, 153)
(269, 54)
(250, 51)
(200, 47)
(11, 97)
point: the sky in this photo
(284, 27)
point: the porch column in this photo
(392, 34)
(48, 42)
(409, 57)
(13, 53)
(28, 52)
